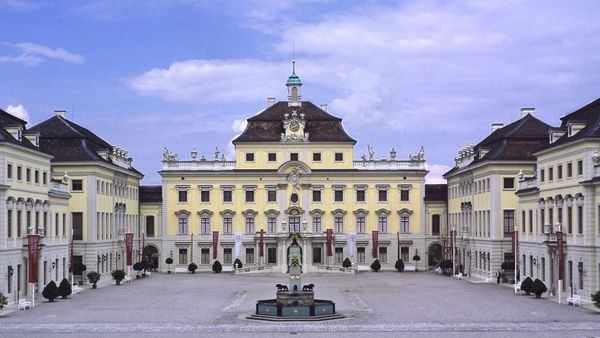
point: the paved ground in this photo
(386, 304)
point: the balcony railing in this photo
(389, 165)
(198, 165)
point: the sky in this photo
(401, 74)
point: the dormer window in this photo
(575, 127)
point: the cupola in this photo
(293, 85)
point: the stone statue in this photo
(363, 157)
(419, 156)
(169, 156)
(371, 152)
(217, 152)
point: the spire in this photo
(293, 85)
(293, 80)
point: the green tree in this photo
(64, 288)
(192, 267)
(346, 263)
(3, 301)
(93, 277)
(376, 266)
(50, 292)
(217, 267)
(399, 265)
(118, 276)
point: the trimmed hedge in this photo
(376, 266)
(217, 267)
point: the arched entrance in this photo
(151, 256)
(434, 254)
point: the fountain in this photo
(294, 301)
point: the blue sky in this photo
(186, 74)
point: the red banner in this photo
(375, 250)
(329, 242)
(215, 242)
(560, 245)
(33, 247)
(515, 242)
(261, 249)
(452, 238)
(129, 247)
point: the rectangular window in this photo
(530, 220)
(316, 157)
(271, 255)
(150, 226)
(272, 157)
(36, 177)
(28, 175)
(404, 254)
(339, 224)
(183, 257)
(360, 195)
(404, 225)
(64, 224)
(183, 226)
(316, 224)
(580, 270)
(249, 196)
(77, 225)
(383, 254)
(316, 195)
(382, 224)
(249, 157)
(339, 255)
(543, 268)
(569, 169)
(382, 194)
(339, 157)
(523, 221)
(317, 252)
(294, 157)
(249, 255)
(360, 224)
(509, 222)
(227, 256)
(579, 167)
(271, 195)
(509, 183)
(182, 194)
(9, 223)
(580, 219)
(204, 256)
(45, 223)
(9, 171)
(550, 174)
(360, 254)
(404, 195)
(560, 215)
(272, 225)
(205, 225)
(542, 175)
(435, 225)
(76, 185)
(44, 178)
(227, 225)
(559, 171)
(205, 196)
(294, 224)
(227, 196)
(19, 173)
(249, 225)
(338, 195)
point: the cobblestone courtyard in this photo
(383, 304)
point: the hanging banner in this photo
(237, 245)
(375, 243)
(352, 245)
(261, 244)
(129, 247)
(560, 245)
(33, 247)
(329, 242)
(215, 242)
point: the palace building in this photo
(294, 171)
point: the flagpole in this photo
(71, 263)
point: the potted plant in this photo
(217, 267)
(237, 264)
(346, 263)
(50, 292)
(64, 288)
(376, 266)
(138, 267)
(192, 267)
(417, 258)
(596, 298)
(399, 265)
(538, 287)
(118, 276)
(526, 285)
(169, 261)
(3, 301)
(93, 277)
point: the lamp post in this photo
(10, 273)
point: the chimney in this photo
(527, 110)
(496, 126)
(324, 107)
(61, 113)
(270, 101)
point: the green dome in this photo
(293, 80)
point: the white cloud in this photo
(28, 60)
(18, 5)
(18, 111)
(53, 53)
(435, 173)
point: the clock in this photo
(294, 126)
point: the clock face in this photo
(294, 126)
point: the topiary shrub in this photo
(138, 266)
(238, 263)
(538, 288)
(526, 285)
(346, 263)
(93, 277)
(169, 261)
(3, 301)
(594, 296)
(376, 266)
(508, 266)
(192, 267)
(64, 288)
(399, 265)
(50, 292)
(446, 266)
(118, 276)
(217, 267)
